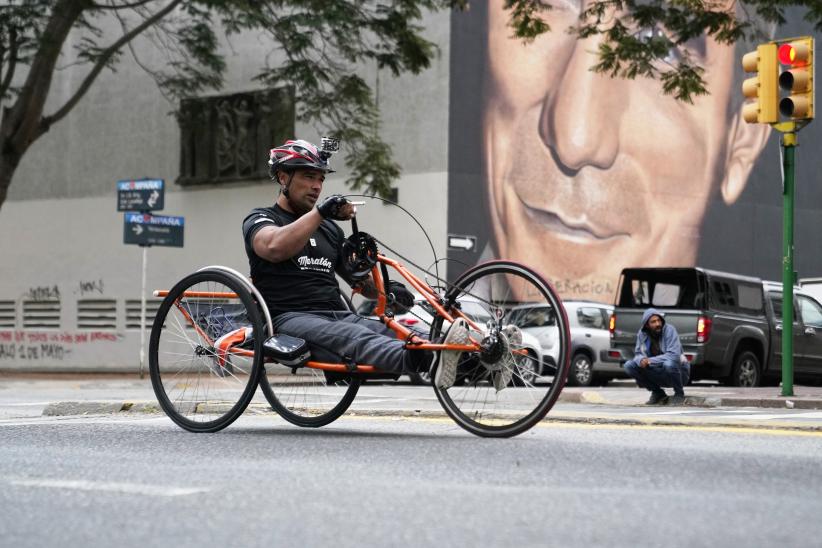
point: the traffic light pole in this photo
(789, 146)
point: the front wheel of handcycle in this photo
(507, 305)
(206, 351)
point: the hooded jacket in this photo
(668, 341)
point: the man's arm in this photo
(280, 243)
(639, 352)
(673, 346)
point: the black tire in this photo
(494, 290)
(420, 378)
(582, 370)
(747, 370)
(197, 389)
(308, 397)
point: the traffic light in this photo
(762, 87)
(796, 79)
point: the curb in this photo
(68, 408)
(596, 398)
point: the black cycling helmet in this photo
(297, 154)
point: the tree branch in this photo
(21, 122)
(47, 121)
(127, 6)
(7, 78)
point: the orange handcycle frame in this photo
(412, 339)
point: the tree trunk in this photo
(8, 165)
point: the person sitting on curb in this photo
(658, 360)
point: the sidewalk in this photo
(623, 393)
(82, 393)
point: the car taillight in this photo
(408, 321)
(703, 329)
(612, 325)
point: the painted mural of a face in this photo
(588, 174)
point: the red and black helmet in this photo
(297, 154)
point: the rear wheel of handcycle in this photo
(198, 388)
(506, 294)
(308, 397)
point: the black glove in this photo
(403, 298)
(331, 206)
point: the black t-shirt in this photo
(655, 349)
(306, 281)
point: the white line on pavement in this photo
(128, 488)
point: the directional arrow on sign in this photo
(137, 229)
(462, 242)
(152, 200)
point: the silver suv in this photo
(590, 341)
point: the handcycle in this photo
(212, 343)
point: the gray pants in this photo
(344, 337)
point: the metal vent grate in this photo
(7, 314)
(41, 314)
(133, 312)
(97, 314)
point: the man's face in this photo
(655, 325)
(304, 190)
(589, 174)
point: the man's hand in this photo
(644, 362)
(337, 207)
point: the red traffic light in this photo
(787, 54)
(793, 54)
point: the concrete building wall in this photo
(61, 238)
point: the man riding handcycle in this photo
(218, 334)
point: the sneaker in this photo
(676, 399)
(447, 370)
(657, 398)
(502, 377)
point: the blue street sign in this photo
(141, 195)
(144, 229)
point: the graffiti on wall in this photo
(47, 345)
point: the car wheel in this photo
(746, 371)
(527, 371)
(582, 370)
(420, 378)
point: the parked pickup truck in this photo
(730, 325)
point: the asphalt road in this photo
(377, 481)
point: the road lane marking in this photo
(549, 422)
(112, 487)
(754, 416)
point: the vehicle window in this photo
(811, 312)
(665, 295)
(750, 296)
(639, 289)
(476, 311)
(668, 288)
(590, 317)
(723, 296)
(776, 303)
(733, 295)
(534, 317)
